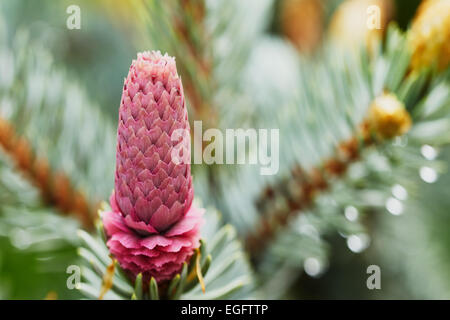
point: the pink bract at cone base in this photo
(158, 256)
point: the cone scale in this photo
(153, 227)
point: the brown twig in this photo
(55, 187)
(201, 104)
(387, 118)
(299, 190)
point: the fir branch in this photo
(52, 132)
(187, 38)
(344, 127)
(190, 29)
(299, 190)
(55, 187)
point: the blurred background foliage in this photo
(255, 46)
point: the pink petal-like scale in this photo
(154, 255)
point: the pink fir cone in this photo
(153, 227)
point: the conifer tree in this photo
(88, 174)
